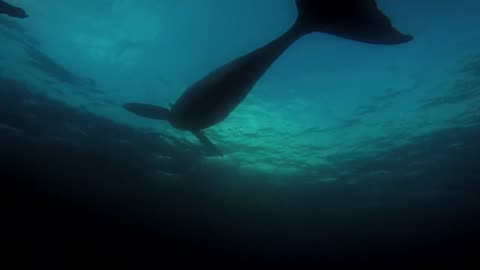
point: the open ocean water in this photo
(344, 153)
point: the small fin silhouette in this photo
(148, 111)
(12, 11)
(204, 139)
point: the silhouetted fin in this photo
(6, 8)
(201, 136)
(359, 20)
(148, 111)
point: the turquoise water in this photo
(363, 126)
(324, 93)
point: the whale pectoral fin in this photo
(204, 139)
(148, 111)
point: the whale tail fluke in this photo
(148, 111)
(359, 20)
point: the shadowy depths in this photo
(80, 187)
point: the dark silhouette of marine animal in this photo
(211, 99)
(13, 11)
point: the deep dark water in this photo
(80, 187)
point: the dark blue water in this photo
(344, 153)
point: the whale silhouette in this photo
(13, 11)
(211, 99)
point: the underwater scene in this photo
(227, 132)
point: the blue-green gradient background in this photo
(343, 151)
